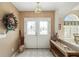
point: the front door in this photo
(37, 32)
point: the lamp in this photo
(38, 8)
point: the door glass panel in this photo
(43, 28)
(31, 27)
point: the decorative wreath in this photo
(9, 21)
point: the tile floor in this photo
(35, 53)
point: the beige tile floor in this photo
(35, 53)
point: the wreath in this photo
(9, 21)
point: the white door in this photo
(37, 32)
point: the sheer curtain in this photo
(71, 29)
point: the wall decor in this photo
(9, 21)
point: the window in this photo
(71, 26)
(43, 27)
(31, 27)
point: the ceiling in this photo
(76, 8)
(61, 8)
(46, 6)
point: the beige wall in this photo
(11, 41)
(32, 14)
